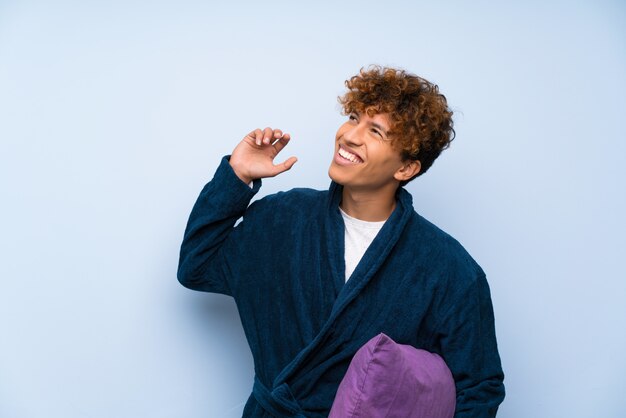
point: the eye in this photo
(377, 132)
(352, 117)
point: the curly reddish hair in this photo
(421, 122)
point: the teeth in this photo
(349, 156)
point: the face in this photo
(364, 157)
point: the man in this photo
(316, 274)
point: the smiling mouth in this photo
(346, 155)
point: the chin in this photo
(332, 173)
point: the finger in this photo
(277, 133)
(267, 134)
(256, 136)
(282, 142)
(285, 165)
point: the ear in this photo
(408, 170)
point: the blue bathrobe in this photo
(284, 266)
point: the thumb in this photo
(285, 165)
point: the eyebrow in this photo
(374, 124)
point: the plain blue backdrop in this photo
(113, 115)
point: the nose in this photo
(353, 135)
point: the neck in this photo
(367, 205)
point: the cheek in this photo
(385, 155)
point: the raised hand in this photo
(254, 157)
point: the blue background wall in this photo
(113, 115)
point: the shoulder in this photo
(288, 204)
(295, 196)
(298, 196)
(442, 249)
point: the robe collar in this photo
(376, 253)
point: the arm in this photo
(210, 239)
(211, 242)
(468, 344)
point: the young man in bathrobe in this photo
(317, 273)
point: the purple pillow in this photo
(391, 380)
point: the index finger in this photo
(282, 142)
(282, 135)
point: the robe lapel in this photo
(334, 232)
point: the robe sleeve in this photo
(212, 244)
(468, 344)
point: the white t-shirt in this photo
(358, 236)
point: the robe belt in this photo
(279, 402)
